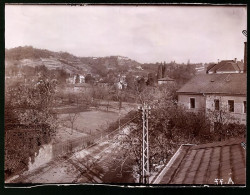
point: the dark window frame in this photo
(216, 104)
(244, 106)
(230, 105)
(192, 103)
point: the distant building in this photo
(72, 80)
(165, 80)
(82, 87)
(139, 67)
(226, 66)
(162, 76)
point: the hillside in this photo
(99, 66)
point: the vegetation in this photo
(29, 122)
(170, 125)
(30, 119)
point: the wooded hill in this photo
(29, 56)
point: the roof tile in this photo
(234, 83)
(202, 164)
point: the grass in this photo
(95, 121)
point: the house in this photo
(214, 92)
(73, 80)
(226, 66)
(121, 84)
(165, 80)
(81, 87)
(223, 88)
(216, 163)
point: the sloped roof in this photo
(226, 65)
(166, 79)
(202, 164)
(232, 84)
(219, 65)
(241, 65)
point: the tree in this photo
(71, 118)
(223, 124)
(89, 79)
(160, 71)
(28, 108)
(169, 127)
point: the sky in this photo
(147, 34)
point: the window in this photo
(192, 102)
(244, 106)
(231, 105)
(216, 104)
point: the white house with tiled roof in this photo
(223, 88)
(213, 92)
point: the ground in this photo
(93, 164)
(80, 168)
(91, 122)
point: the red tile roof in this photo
(231, 84)
(202, 164)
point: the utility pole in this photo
(145, 109)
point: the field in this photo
(90, 122)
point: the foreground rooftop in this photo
(203, 164)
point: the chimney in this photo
(245, 57)
(235, 60)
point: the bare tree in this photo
(71, 119)
(222, 121)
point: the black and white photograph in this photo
(142, 95)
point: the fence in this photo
(70, 146)
(77, 144)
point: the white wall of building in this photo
(206, 102)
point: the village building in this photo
(121, 84)
(226, 66)
(223, 88)
(73, 79)
(209, 92)
(166, 80)
(82, 87)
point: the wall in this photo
(207, 101)
(165, 82)
(238, 105)
(44, 156)
(200, 102)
